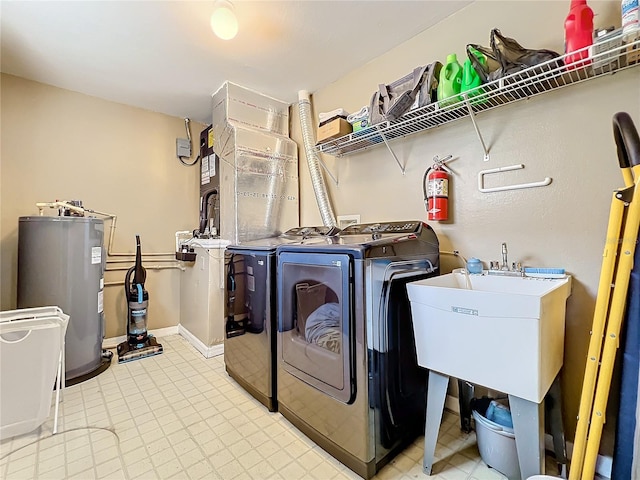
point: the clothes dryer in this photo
(347, 372)
(250, 314)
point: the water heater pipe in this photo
(317, 180)
(114, 218)
(150, 267)
(42, 205)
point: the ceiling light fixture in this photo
(223, 20)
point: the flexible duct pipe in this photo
(317, 180)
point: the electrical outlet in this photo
(183, 147)
(345, 220)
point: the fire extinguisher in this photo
(435, 186)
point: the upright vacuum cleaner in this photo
(139, 343)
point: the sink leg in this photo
(465, 395)
(553, 408)
(528, 426)
(436, 394)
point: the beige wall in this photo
(58, 144)
(566, 135)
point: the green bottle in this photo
(470, 78)
(450, 81)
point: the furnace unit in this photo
(209, 186)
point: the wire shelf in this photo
(541, 78)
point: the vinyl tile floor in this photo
(180, 416)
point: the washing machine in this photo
(347, 373)
(250, 314)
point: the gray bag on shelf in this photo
(417, 89)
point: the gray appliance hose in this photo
(317, 180)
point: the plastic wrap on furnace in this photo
(258, 164)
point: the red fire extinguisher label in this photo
(438, 187)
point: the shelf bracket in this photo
(326, 169)
(395, 157)
(475, 126)
(482, 173)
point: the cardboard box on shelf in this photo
(360, 125)
(633, 51)
(337, 127)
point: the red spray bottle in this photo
(578, 33)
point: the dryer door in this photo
(399, 382)
(315, 321)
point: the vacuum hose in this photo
(317, 180)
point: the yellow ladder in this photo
(622, 235)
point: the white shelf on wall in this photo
(542, 78)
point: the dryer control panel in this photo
(319, 231)
(385, 227)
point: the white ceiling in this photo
(163, 56)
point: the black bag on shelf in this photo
(507, 56)
(392, 101)
(484, 70)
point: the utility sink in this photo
(504, 332)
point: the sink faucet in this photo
(505, 269)
(505, 263)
